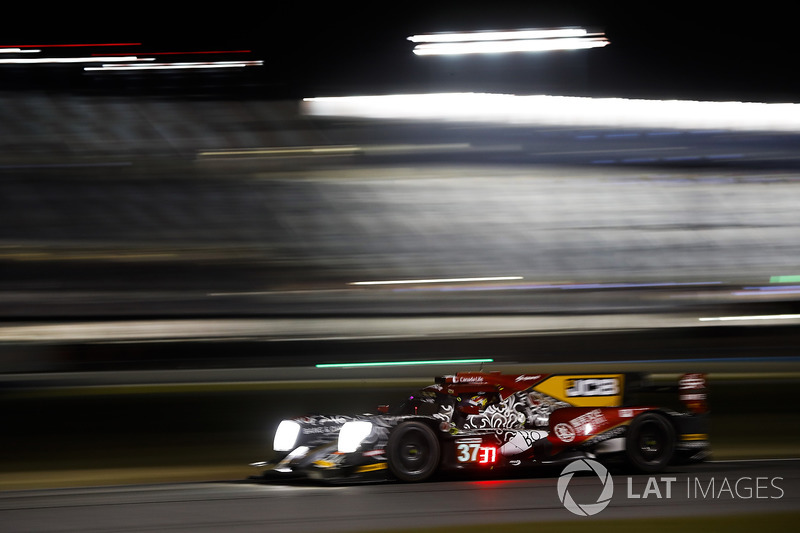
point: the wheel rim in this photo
(414, 452)
(651, 442)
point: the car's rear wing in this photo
(584, 389)
(693, 393)
(691, 390)
(578, 390)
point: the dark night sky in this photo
(660, 49)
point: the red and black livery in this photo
(489, 420)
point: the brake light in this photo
(487, 455)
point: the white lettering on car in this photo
(593, 387)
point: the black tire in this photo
(650, 443)
(413, 452)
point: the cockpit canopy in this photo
(435, 399)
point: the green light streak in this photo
(784, 279)
(404, 363)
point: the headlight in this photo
(351, 435)
(286, 436)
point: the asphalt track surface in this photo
(711, 489)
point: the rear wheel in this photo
(650, 443)
(413, 452)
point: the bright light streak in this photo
(754, 317)
(179, 66)
(288, 151)
(46, 60)
(18, 51)
(562, 110)
(772, 289)
(503, 47)
(70, 45)
(764, 292)
(405, 363)
(344, 150)
(498, 42)
(441, 280)
(198, 52)
(497, 35)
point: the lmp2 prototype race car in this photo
(489, 421)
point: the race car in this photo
(491, 421)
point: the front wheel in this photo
(413, 452)
(650, 443)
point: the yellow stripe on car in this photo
(694, 436)
(371, 468)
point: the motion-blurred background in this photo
(194, 213)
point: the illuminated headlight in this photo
(286, 436)
(351, 435)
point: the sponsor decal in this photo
(323, 420)
(592, 387)
(565, 432)
(588, 422)
(607, 435)
(316, 430)
(692, 381)
(587, 390)
(693, 397)
(521, 441)
(373, 453)
(692, 392)
(468, 379)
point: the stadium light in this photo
(498, 42)
(544, 110)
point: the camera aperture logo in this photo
(696, 488)
(591, 508)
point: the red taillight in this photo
(487, 455)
